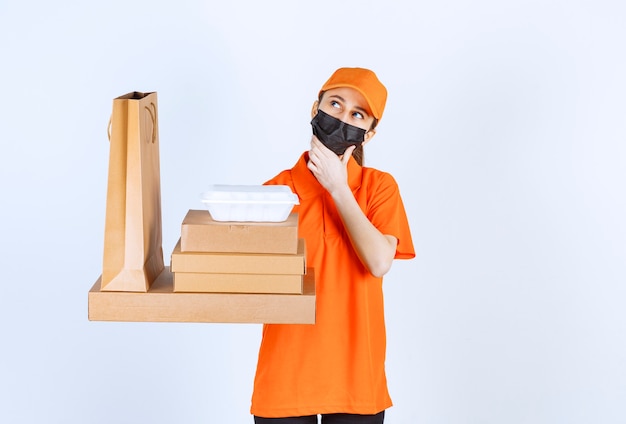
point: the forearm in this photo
(375, 250)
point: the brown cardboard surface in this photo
(239, 263)
(238, 283)
(161, 304)
(200, 233)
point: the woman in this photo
(354, 223)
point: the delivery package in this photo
(197, 282)
(238, 262)
(160, 304)
(201, 233)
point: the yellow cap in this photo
(365, 82)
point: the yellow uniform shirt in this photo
(336, 365)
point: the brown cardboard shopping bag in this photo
(133, 253)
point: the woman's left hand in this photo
(330, 170)
(376, 250)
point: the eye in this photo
(335, 104)
(358, 115)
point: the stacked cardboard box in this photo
(238, 257)
(161, 304)
(237, 272)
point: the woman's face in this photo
(347, 105)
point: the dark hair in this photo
(357, 153)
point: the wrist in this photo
(341, 192)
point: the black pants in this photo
(326, 419)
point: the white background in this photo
(505, 128)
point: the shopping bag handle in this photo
(152, 113)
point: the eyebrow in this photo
(359, 108)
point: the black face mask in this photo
(336, 134)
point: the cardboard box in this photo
(201, 233)
(237, 283)
(239, 263)
(161, 304)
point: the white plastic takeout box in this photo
(255, 203)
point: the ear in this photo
(368, 136)
(316, 106)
